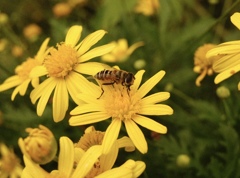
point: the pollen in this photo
(25, 68)
(61, 61)
(122, 104)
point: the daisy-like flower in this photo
(64, 66)
(22, 78)
(147, 7)
(202, 64)
(229, 62)
(84, 162)
(125, 106)
(105, 162)
(10, 166)
(121, 52)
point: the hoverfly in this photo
(110, 77)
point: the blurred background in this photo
(203, 133)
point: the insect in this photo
(109, 77)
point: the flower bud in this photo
(183, 160)
(40, 146)
(32, 32)
(223, 92)
(3, 18)
(17, 51)
(139, 64)
(62, 9)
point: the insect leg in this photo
(111, 83)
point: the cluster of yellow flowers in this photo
(57, 72)
(222, 58)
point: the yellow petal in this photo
(90, 89)
(109, 58)
(91, 68)
(21, 89)
(224, 48)
(34, 169)
(119, 172)
(66, 156)
(111, 135)
(10, 83)
(45, 87)
(85, 108)
(156, 109)
(73, 35)
(226, 74)
(90, 40)
(38, 71)
(155, 98)
(139, 168)
(226, 62)
(235, 19)
(134, 47)
(150, 124)
(43, 91)
(88, 118)
(138, 79)
(41, 51)
(136, 136)
(150, 83)
(35, 82)
(87, 161)
(107, 160)
(95, 52)
(126, 143)
(60, 101)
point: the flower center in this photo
(61, 61)
(90, 139)
(121, 103)
(25, 68)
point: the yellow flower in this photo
(22, 78)
(9, 163)
(105, 161)
(202, 64)
(229, 62)
(32, 32)
(147, 7)
(85, 162)
(121, 52)
(40, 145)
(63, 67)
(62, 9)
(122, 105)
